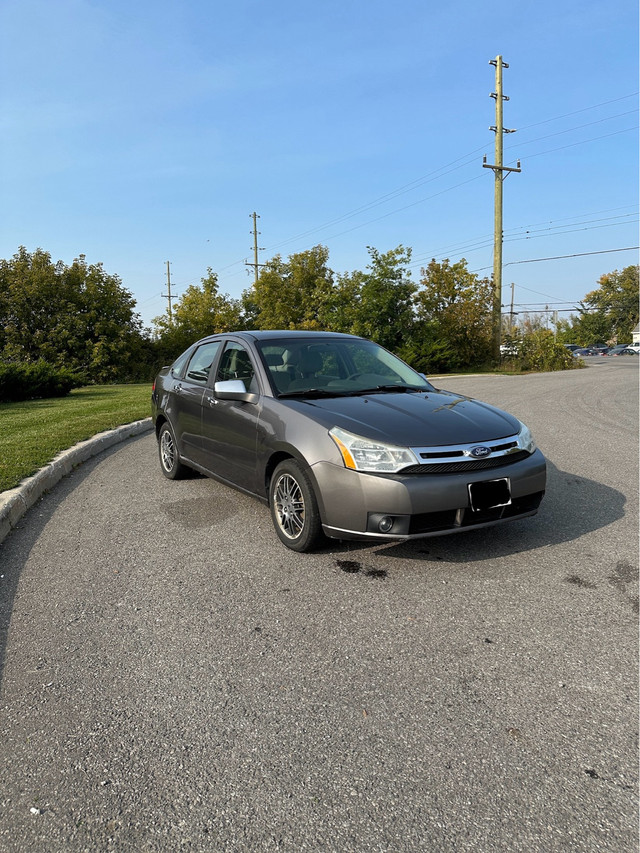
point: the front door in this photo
(230, 427)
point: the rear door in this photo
(185, 410)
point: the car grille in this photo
(466, 465)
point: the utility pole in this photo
(511, 312)
(256, 248)
(168, 295)
(500, 173)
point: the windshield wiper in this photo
(311, 393)
(387, 389)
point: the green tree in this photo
(343, 307)
(201, 310)
(616, 300)
(378, 303)
(292, 294)
(589, 327)
(454, 306)
(76, 316)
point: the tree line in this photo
(82, 319)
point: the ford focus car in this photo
(341, 439)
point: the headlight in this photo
(363, 454)
(525, 439)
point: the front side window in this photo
(201, 362)
(236, 364)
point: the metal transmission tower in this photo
(500, 173)
(256, 248)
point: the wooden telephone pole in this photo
(168, 295)
(500, 173)
(256, 248)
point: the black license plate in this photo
(490, 494)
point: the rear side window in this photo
(178, 366)
(201, 362)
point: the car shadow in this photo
(572, 506)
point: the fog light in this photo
(385, 524)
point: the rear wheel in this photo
(170, 463)
(294, 509)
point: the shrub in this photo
(539, 351)
(427, 352)
(33, 380)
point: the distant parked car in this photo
(572, 347)
(341, 438)
(629, 351)
(619, 349)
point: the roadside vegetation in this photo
(82, 320)
(66, 327)
(32, 433)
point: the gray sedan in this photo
(341, 438)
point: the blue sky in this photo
(137, 133)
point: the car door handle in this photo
(177, 388)
(212, 401)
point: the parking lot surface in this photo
(173, 678)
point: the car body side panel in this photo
(183, 407)
(230, 432)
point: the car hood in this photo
(411, 419)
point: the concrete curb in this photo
(15, 502)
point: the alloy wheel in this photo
(289, 505)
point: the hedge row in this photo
(34, 380)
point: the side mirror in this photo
(234, 389)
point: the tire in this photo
(170, 463)
(294, 508)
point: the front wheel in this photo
(170, 463)
(294, 509)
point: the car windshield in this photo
(327, 367)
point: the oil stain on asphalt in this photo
(352, 567)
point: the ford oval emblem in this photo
(480, 452)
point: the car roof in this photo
(271, 334)
(279, 334)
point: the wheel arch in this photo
(272, 463)
(279, 456)
(161, 419)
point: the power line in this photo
(581, 142)
(438, 173)
(448, 168)
(560, 257)
(566, 230)
(583, 110)
(553, 230)
(571, 129)
(576, 255)
(449, 189)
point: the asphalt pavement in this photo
(173, 678)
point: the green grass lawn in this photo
(33, 433)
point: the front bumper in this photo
(352, 504)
